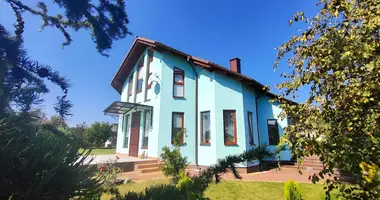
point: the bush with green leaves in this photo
(173, 163)
(98, 133)
(336, 57)
(108, 171)
(292, 191)
(41, 162)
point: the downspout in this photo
(196, 109)
(257, 119)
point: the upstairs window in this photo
(273, 134)
(139, 81)
(130, 83)
(179, 83)
(177, 125)
(205, 127)
(229, 122)
(148, 74)
(250, 127)
(130, 86)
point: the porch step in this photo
(149, 170)
(148, 165)
(146, 162)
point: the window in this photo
(139, 80)
(126, 131)
(178, 83)
(229, 121)
(205, 127)
(147, 129)
(273, 134)
(130, 83)
(139, 85)
(250, 126)
(177, 125)
(148, 74)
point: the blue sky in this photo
(216, 30)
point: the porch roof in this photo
(119, 107)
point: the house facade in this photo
(164, 91)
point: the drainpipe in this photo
(257, 119)
(196, 109)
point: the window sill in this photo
(205, 144)
(178, 97)
(231, 144)
(138, 91)
(144, 147)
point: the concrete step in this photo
(149, 170)
(148, 165)
(146, 162)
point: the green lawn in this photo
(102, 151)
(239, 190)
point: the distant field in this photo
(102, 151)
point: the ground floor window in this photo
(125, 130)
(229, 122)
(273, 133)
(147, 128)
(250, 126)
(177, 126)
(205, 127)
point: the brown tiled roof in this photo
(140, 44)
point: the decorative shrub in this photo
(173, 163)
(292, 191)
(108, 171)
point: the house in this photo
(164, 90)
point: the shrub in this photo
(108, 172)
(40, 162)
(173, 163)
(292, 191)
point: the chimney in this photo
(235, 65)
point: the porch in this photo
(128, 163)
(135, 125)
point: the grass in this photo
(238, 190)
(102, 151)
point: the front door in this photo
(135, 132)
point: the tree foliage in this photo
(78, 133)
(338, 57)
(38, 161)
(22, 79)
(98, 133)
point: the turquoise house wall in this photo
(169, 104)
(154, 96)
(206, 102)
(249, 104)
(228, 96)
(268, 110)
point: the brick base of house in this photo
(193, 169)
